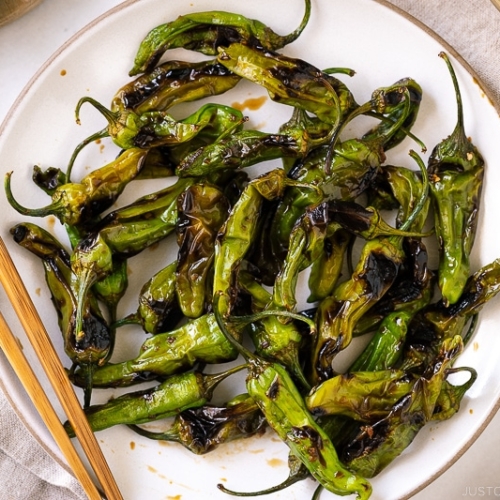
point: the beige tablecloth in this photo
(472, 27)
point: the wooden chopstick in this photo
(19, 363)
(52, 365)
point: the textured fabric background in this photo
(472, 27)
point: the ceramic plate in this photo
(382, 46)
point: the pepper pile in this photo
(242, 244)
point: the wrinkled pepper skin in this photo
(158, 310)
(199, 341)
(176, 394)
(437, 321)
(456, 172)
(291, 81)
(338, 313)
(201, 430)
(78, 204)
(121, 234)
(172, 83)
(377, 445)
(93, 343)
(202, 211)
(364, 396)
(239, 150)
(272, 388)
(129, 129)
(205, 32)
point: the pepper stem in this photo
(296, 33)
(110, 116)
(423, 197)
(460, 113)
(91, 138)
(291, 479)
(30, 212)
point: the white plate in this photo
(382, 46)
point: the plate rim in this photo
(126, 4)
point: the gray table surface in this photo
(471, 27)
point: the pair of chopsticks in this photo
(37, 334)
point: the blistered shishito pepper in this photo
(412, 290)
(92, 344)
(239, 230)
(201, 430)
(365, 222)
(306, 243)
(348, 169)
(129, 129)
(290, 81)
(80, 203)
(123, 233)
(205, 32)
(274, 338)
(386, 126)
(89, 346)
(272, 388)
(198, 341)
(327, 268)
(375, 273)
(456, 172)
(177, 393)
(363, 395)
(203, 208)
(438, 321)
(158, 310)
(377, 445)
(171, 83)
(241, 149)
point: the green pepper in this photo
(365, 222)
(439, 321)
(158, 310)
(290, 81)
(205, 32)
(456, 173)
(386, 126)
(78, 204)
(198, 341)
(377, 445)
(272, 388)
(347, 170)
(306, 242)
(172, 83)
(123, 233)
(240, 150)
(327, 268)
(129, 129)
(376, 271)
(364, 395)
(200, 430)
(177, 393)
(276, 339)
(239, 230)
(412, 290)
(202, 209)
(92, 344)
